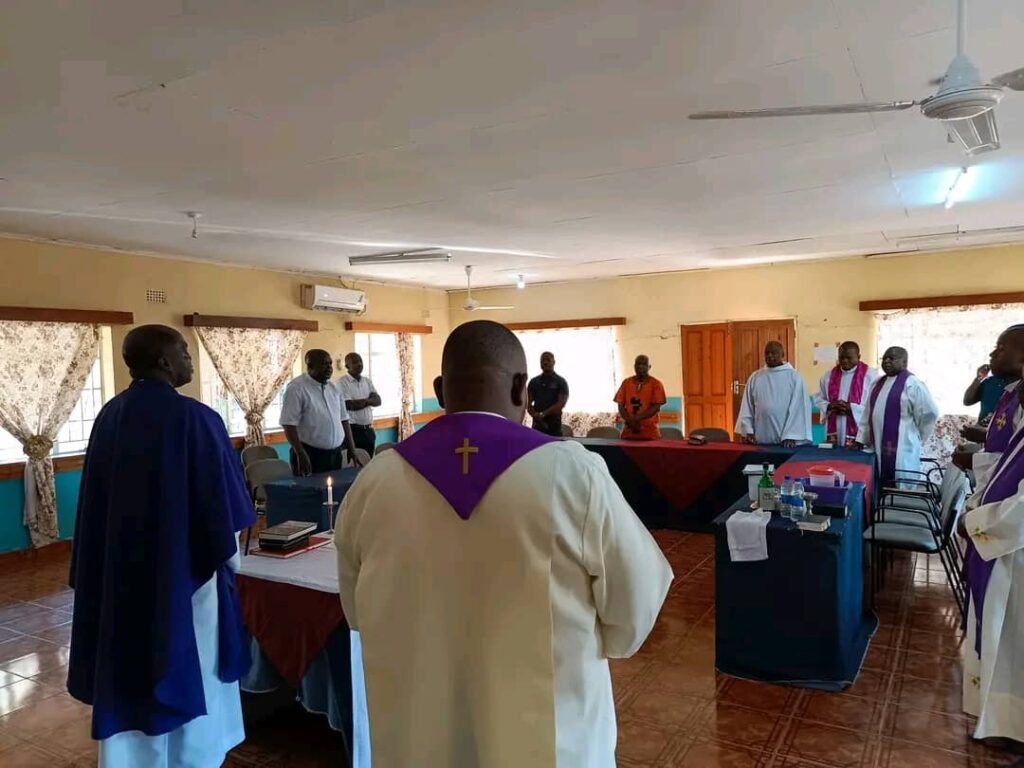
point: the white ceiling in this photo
(545, 137)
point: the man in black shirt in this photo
(547, 395)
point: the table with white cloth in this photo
(300, 639)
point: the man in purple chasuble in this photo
(492, 571)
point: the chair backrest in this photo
(607, 433)
(256, 453)
(363, 456)
(671, 433)
(711, 434)
(266, 471)
(567, 431)
(954, 494)
(383, 447)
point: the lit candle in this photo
(330, 492)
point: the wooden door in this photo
(707, 376)
(748, 343)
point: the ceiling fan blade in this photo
(492, 309)
(1013, 80)
(821, 109)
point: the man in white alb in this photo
(315, 419)
(993, 685)
(900, 418)
(492, 571)
(776, 409)
(360, 399)
(843, 393)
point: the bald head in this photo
(774, 354)
(157, 352)
(483, 368)
(319, 365)
(894, 361)
(1007, 359)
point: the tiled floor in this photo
(674, 709)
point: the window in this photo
(584, 357)
(74, 435)
(946, 346)
(214, 394)
(380, 362)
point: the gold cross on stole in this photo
(465, 451)
(1001, 421)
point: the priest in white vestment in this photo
(993, 686)
(900, 418)
(843, 393)
(776, 408)
(492, 571)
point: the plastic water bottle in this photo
(796, 508)
(786, 496)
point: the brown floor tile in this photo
(903, 754)
(8, 634)
(642, 742)
(928, 695)
(713, 755)
(763, 696)
(48, 657)
(842, 710)
(748, 728)
(46, 715)
(33, 625)
(831, 746)
(662, 708)
(688, 678)
(938, 643)
(60, 635)
(71, 740)
(23, 693)
(55, 678)
(931, 666)
(30, 756)
(947, 732)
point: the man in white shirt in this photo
(360, 399)
(843, 393)
(776, 409)
(315, 420)
(492, 571)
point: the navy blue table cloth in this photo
(302, 498)
(797, 617)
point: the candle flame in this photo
(329, 481)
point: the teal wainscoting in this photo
(13, 535)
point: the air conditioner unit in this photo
(328, 299)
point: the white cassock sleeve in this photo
(745, 421)
(821, 396)
(923, 409)
(998, 529)
(858, 410)
(629, 575)
(348, 556)
(798, 414)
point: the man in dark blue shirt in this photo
(547, 396)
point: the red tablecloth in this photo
(290, 623)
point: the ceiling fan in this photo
(963, 102)
(472, 304)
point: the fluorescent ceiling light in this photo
(412, 257)
(959, 187)
(976, 134)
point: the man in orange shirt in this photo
(640, 398)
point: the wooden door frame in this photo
(727, 326)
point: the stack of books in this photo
(814, 523)
(288, 535)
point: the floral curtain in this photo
(253, 363)
(43, 368)
(580, 423)
(406, 369)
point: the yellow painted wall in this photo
(822, 297)
(46, 275)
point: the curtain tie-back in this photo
(254, 418)
(37, 447)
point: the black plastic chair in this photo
(711, 434)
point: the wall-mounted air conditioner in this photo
(328, 299)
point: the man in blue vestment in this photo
(157, 645)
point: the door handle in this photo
(736, 386)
